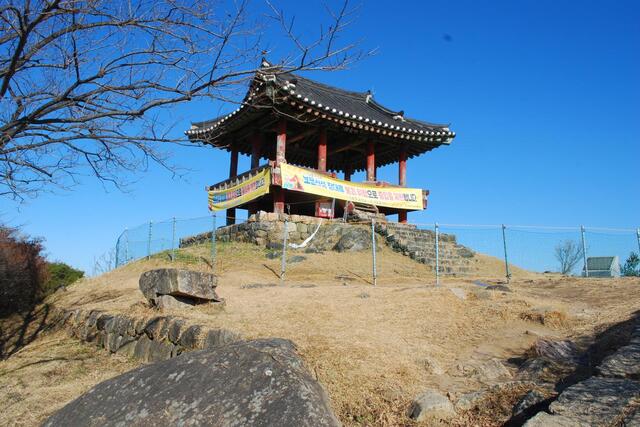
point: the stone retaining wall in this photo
(148, 339)
(264, 229)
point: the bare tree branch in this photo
(85, 85)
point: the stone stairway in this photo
(419, 245)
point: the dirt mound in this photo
(370, 353)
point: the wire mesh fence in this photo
(430, 252)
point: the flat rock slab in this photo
(178, 283)
(596, 401)
(543, 419)
(249, 383)
(624, 363)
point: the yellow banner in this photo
(241, 193)
(308, 181)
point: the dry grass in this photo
(374, 349)
(48, 373)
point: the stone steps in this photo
(419, 245)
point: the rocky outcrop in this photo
(176, 288)
(148, 339)
(610, 397)
(624, 363)
(249, 383)
(594, 402)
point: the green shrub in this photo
(60, 274)
(631, 266)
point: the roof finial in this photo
(369, 96)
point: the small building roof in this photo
(352, 118)
(601, 262)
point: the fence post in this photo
(584, 252)
(506, 258)
(149, 240)
(373, 249)
(126, 246)
(437, 230)
(173, 240)
(213, 242)
(118, 248)
(283, 266)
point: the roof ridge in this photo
(359, 95)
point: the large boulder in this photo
(249, 383)
(176, 288)
(354, 239)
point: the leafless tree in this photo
(84, 85)
(568, 253)
(105, 262)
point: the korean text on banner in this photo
(308, 181)
(243, 192)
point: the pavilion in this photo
(309, 132)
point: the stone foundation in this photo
(264, 229)
(268, 229)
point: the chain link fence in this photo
(441, 250)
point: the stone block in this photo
(159, 351)
(190, 338)
(112, 342)
(175, 330)
(178, 283)
(220, 337)
(127, 348)
(431, 405)
(169, 302)
(102, 320)
(157, 328)
(141, 350)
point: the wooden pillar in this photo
(322, 150)
(402, 178)
(371, 161)
(347, 173)
(256, 149)
(281, 146)
(233, 171)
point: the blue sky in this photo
(543, 95)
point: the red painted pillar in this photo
(281, 146)
(371, 161)
(256, 149)
(402, 178)
(233, 171)
(281, 142)
(322, 151)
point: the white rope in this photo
(307, 240)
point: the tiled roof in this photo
(356, 109)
